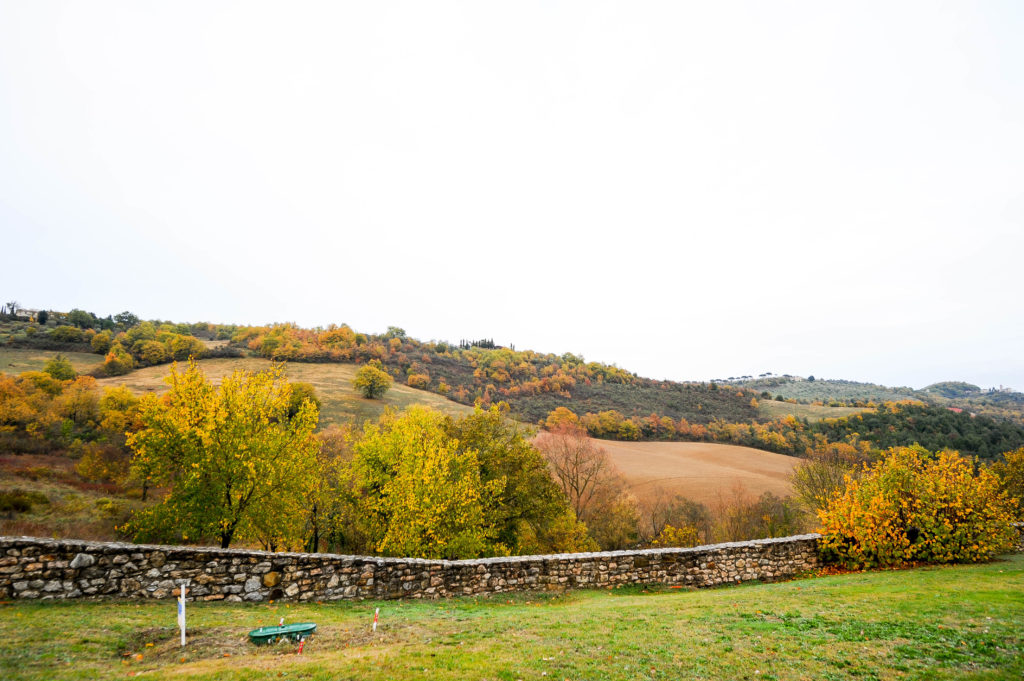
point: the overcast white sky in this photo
(688, 190)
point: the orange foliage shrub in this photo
(419, 381)
(917, 506)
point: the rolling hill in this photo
(17, 360)
(333, 383)
(700, 471)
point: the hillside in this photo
(1002, 403)
(531, 383)
(702, 472)
(17, 360)
(773, 409)
(609, 401)
(340, 403)
(932, 427)
(952, 390)
(799, 388)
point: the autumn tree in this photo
(328, 513)
(184, 347)
(579, 466)
(531, 513)
(108, 459)
(79, 401)
(914, 505)
(661, 510)
(118, 361)
(152, 352)
(67, 334)
(418, 493)
(561, 416)
(1010, 472)
(596, 491)
(614, 519)
(60, 368)
(302, 392)
(372, 381)
(420, 381)
(101, 342)
(234, 463)
(823, 473)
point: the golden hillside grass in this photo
(812, 412)
(700, 471)
(333, 384)
(16, 361)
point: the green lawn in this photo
(930, 623)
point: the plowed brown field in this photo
(700, 471)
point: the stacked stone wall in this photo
(32, 568)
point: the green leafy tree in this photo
(234, 463)
(82, 319)
(126, 320)
(60, 368)
(41, 317)
(372, 381)
(67, 334)
(141, 332)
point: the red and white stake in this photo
(376, 613)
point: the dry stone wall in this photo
(32, 568)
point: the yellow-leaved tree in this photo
(418, 493)
(916, 506)
(372, 381)
(236, 462)
(1010, 472)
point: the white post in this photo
(181, 610)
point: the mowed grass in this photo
(812, 412)
(15, 361)
(959, 622)
(333, 383)
(700, 471)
